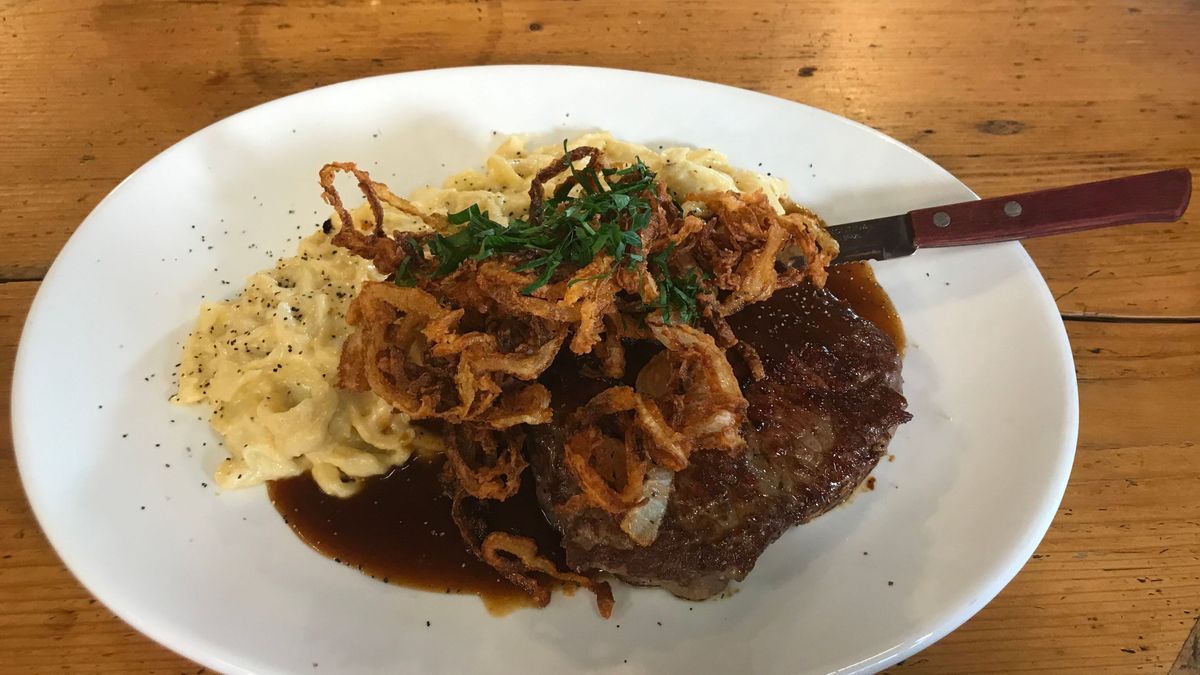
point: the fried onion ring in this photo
(410, 352)
(487, 464)
(745, 241)
(537, 187)
(589, 445)
(517, 558)
(708, 401)
(610, 470)
(385, 252)
(591, 294)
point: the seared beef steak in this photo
(818, 424)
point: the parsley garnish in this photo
(676, 295)
(605, 215)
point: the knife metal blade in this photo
(875, 239)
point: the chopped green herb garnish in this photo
(604, 216)
(676, 295)
(405, 275)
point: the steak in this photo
(818, 423)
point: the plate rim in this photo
(199, 649)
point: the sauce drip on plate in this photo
(398, 527)
(855, 284)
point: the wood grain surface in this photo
(1009, 95)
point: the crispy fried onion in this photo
(623, 455)
(537, 187)
(813, 240)
(700, 393)
(386, 252)
(687, 398)
(466, 345)
(610, 460)
(738, 244)
(411, 351)
(743, 242)
(487, 463)
(591, 293)
(517, 558)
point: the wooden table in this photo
(1007, 94)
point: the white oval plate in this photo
(120, 479)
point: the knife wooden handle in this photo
(1149, 197)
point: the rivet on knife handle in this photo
(1152, 197)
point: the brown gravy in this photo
(398, 528)
(855, 284)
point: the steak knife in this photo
(1159, 197)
